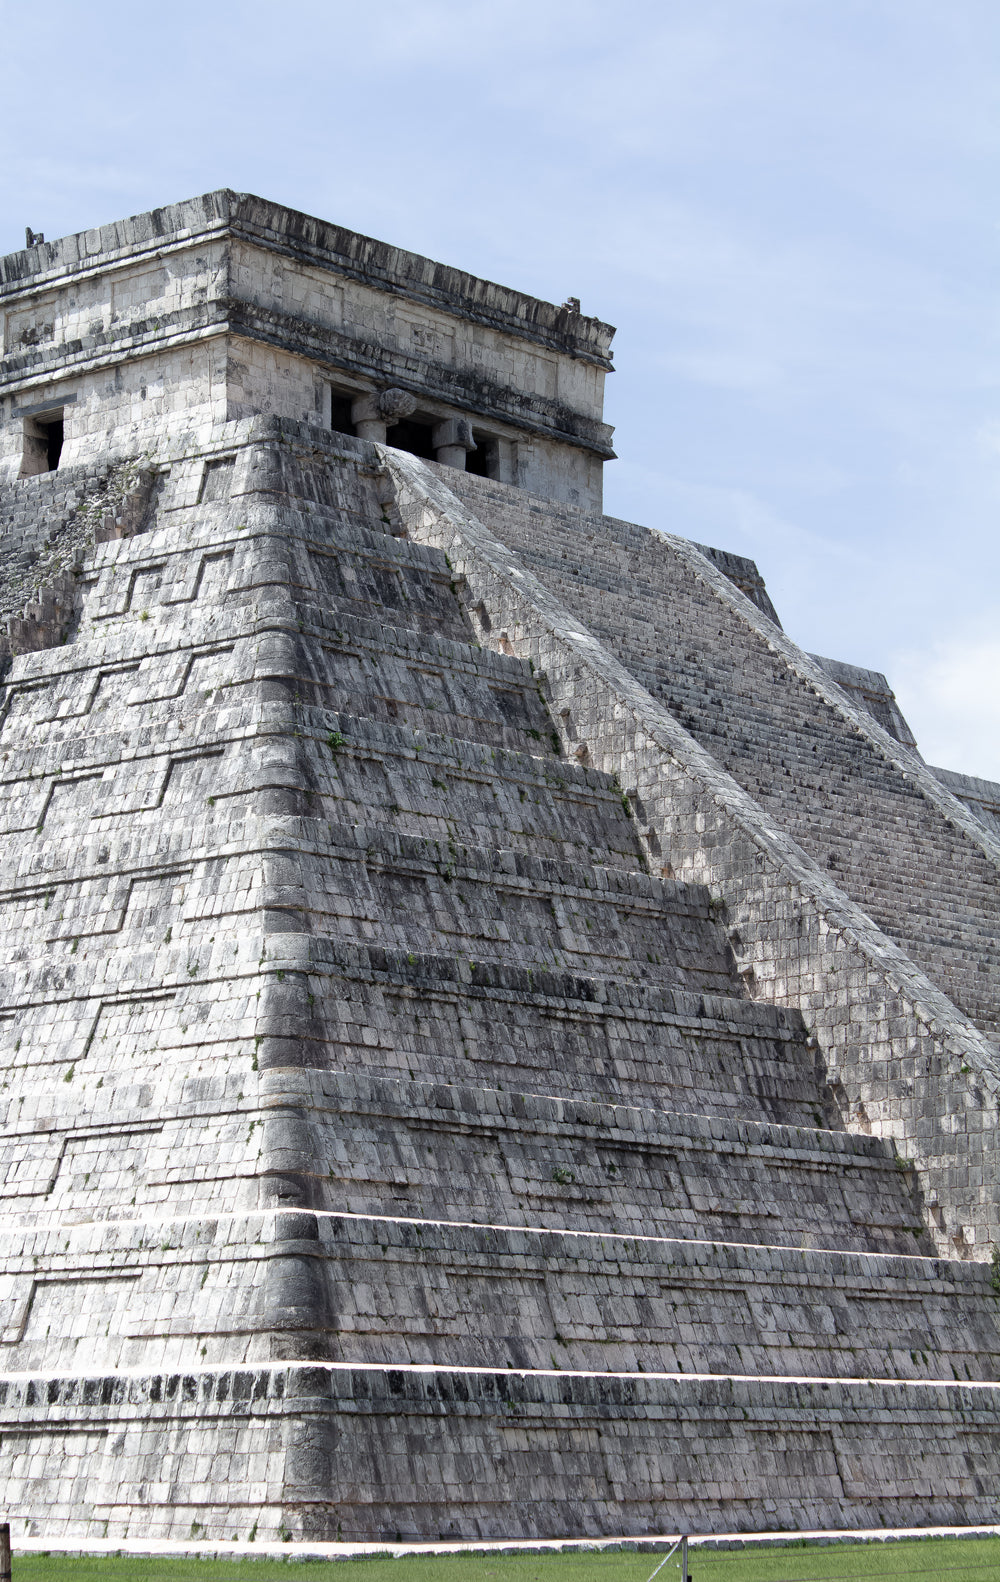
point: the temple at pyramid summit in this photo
(496, 1041)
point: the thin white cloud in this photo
(786, 206)
(951, 696)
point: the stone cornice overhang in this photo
(336, 350)
(313, 242)
(331, 349)
(452, 291)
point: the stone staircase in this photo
(862, 806)
(391, 1146)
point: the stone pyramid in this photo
(496, 1041)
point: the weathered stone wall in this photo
(47, 525)
(226, 307)
(229, 1291)
(744, 575)
(319, 1452)
(981, 797)
(371, 1094)
(863, 808)
(870, 690)
(904, 1062)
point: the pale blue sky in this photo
(788, 207)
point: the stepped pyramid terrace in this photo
(496, 1041)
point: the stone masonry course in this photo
(495, 1041)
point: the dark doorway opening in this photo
(483, 460)
(340, 413)
(53, 436)
(43, 443)
(410, 435)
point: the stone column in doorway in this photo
(372, 415)
(452, 439)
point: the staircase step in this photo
(372, 1146)
(254, 1287)
(408, 1453)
